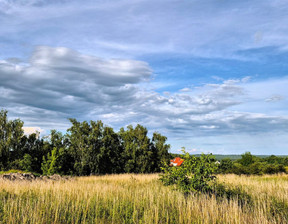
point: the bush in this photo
(273, 168)
(225, 166)
(279, 208)
(194, 175)
(221, 191)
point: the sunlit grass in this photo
(130, 198)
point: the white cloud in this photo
(59, 83)
(69, 83)
(274, 98)
(31, 130)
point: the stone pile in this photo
(53, 177)
(30, 177)
(18, 176)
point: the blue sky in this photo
(210, 75)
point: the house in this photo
(176, 162)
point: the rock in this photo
(18, 176)
(30, 177)
(55, 177)
(6, 176)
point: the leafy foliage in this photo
(87, 148)
(26, 163)
(194, 175)
(52, 164)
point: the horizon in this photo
(210, 76)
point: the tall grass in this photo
(130, 198)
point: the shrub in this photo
(194, 175)
(225, 166)
(237, 193)
(26, 163)
(279, 208)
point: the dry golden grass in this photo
(130, 198)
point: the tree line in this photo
(247, 163)
(86, 148)
(250, 164)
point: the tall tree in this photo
(94, 155)
(78, 139)
(161, 151)
(85, 144)
(58, 158)
(34, 147)
(11, 133)
(110, 155)
(138, 152)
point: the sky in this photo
(210, 75)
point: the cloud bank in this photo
(58, 83)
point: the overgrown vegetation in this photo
(129, 198)
(87, 148)
(194, 175)
(197, 175)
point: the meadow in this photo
(141, 198)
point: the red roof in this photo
(176, 162)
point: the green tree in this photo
(78, 135)
(85, 142)
(34, 147)
(11, 133)
(225, 166)
(138, 154)
(56, 140)
(26, 163)
(52, 164)
(110, 156)
(247, 159)
(161, 151)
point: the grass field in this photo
(139, 199)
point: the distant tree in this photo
(238, 168)
(225, 165)
(273, 159)
(247, 159)
(256, 168)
